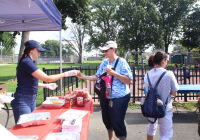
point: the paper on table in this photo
(63, 136)
(34, 119)
(6, 99)
(6, 135)
(73, 114)
(67, 125)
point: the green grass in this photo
(189, 105)
(133, 106)
(8, 72)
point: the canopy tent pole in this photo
(60, 64)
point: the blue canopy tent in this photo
(31, 15)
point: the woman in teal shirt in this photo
(114, 109)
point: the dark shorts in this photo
(113, 117)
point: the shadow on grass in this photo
(6, 78)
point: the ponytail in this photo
(26, 52)
(151, 61)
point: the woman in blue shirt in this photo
(28, 75)
(114, 109)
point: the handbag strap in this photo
(114, 70)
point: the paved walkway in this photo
(185, 125)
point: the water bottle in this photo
(108, 91)
(142, 101)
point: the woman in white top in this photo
(168, 86)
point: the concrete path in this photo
(185, 125)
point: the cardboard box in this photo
(3, 88)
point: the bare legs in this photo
(149, 137)
(111, 136)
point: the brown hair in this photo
(157, 58)
(150, 61)
(26, 52)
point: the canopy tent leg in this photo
(60, 64)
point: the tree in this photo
(7, 52)
(76, 39)
(171, 13)
(191, 30)
(53, 49)
(103, 26)
(138, 21)
(7, 39)
(75, 9)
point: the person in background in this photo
(181, 69)
(168, 86)
(28, 75)
(196, 67)
(188, 73)
(175, 70)
(114, 109)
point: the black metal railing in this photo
(137, 88)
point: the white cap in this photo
(108, 45)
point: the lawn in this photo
(8, 72)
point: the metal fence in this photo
(9, 59)
(41, 59)
(137, 88)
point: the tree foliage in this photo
(7, 40)
(138, 21)
(171, 13)
(77, 10)
(7, 52)
(53, 49)
(191, 30)
(103, 26)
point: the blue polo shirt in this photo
(27, 84)
(119, 89)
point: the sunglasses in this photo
(107, 50)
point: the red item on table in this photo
(70, 100)
(54, 126)
(80, 97)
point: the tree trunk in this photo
(166, 48)
(25, 37)
(80, 54)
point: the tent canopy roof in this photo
(29, 15)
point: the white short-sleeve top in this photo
(167, 84)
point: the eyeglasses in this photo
(106, 50)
